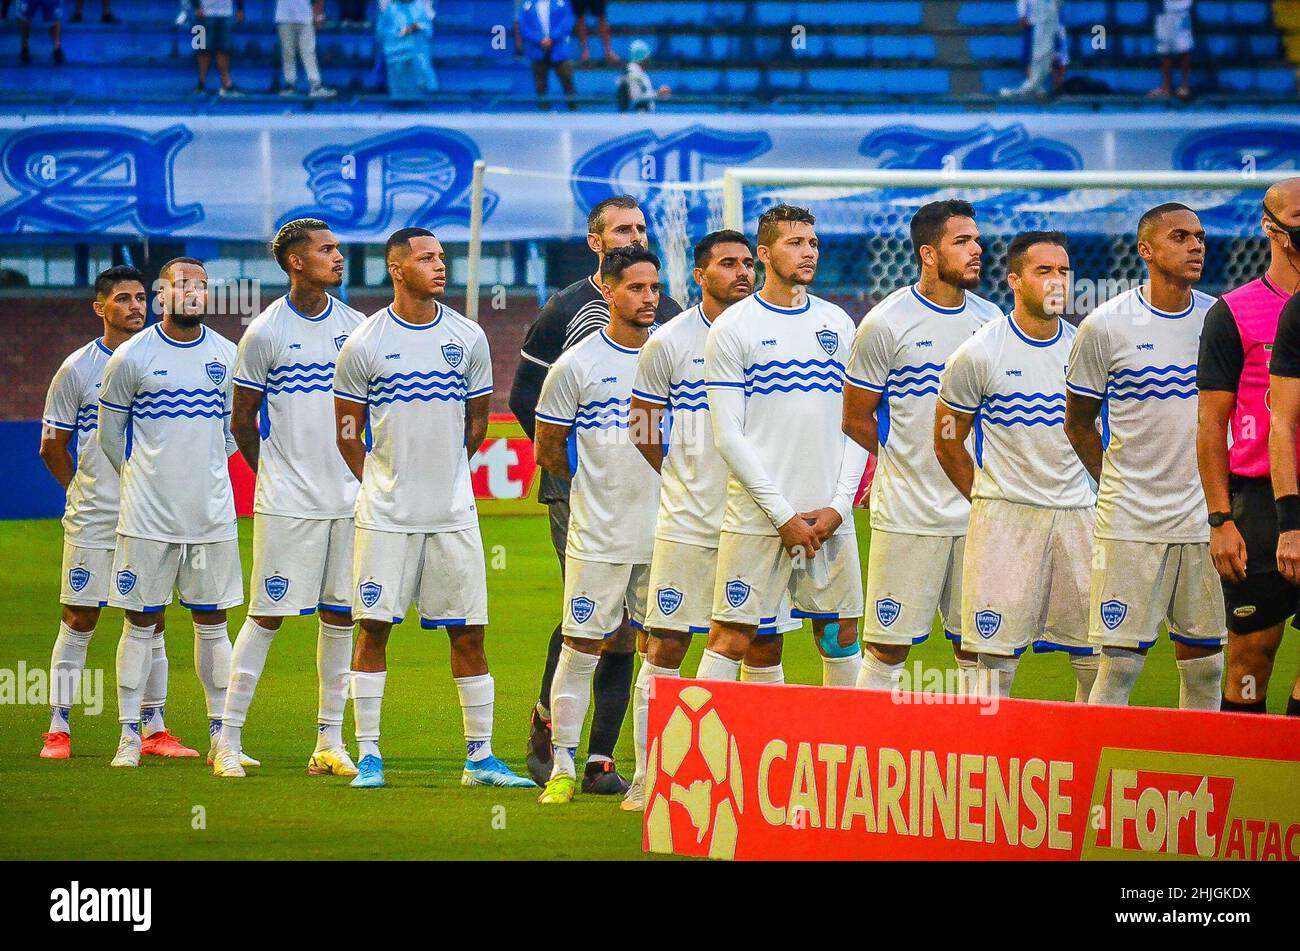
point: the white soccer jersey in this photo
(414, 380)
(1015, 386)
(693, 486)
(72, 404)
(615, 493)
(175, 484)
(789, 363)
(900, 347)
(1141, 363)
(289, 358)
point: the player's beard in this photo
(182, 319)
(957, 277)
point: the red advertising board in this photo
(754, 771)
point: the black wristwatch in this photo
(1218, 518)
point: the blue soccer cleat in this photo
(370, 773)
(493, 772)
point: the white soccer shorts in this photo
(681, 590)
(1174, 33)
(442, 572)
(755, 573)
(596, 593)
(1136, 585)
(909, 578)
(1025, 579)
(87, 574)
(299, 565)
(206, 575)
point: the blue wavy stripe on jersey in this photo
(423, 396)
(691, 406)
(88, 418)
(388, 394)
(1187, 393)
(178, 394)
(300, 378)
(387, 385)
(794, 364)
(826, 386)
(611, 423)
(1172, 369)
(686, 390)
(1029, 399)
(1019, 420)
(200, 413)
(298, 369)
(925, 371)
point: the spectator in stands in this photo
(635, 90)
(596, 8)
(105, 16)
(547, 30)
(217, 17)
(1174, 38)
(405, 34)
(51, 12)
(296, 22)
(1048, 49)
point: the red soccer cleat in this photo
(57, 746)
(163, 743)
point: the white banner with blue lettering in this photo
(240, 177)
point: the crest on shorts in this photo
(369, 591)
(216, 372)
(276, 587)
(737, 592)
(78, 578)
(829, 340)
(339, 341)
(887, 611)
(125, 581)
(581, 608)
(1113, 613)
(670, 599)
(453, 353)
(987, 623)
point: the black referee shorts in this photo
(1265, 598)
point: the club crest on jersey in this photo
(125, 581)
(987, 623)
(1113, 613)
(369, 591)
(339, 341)
(582, 608)
(78, 578)
(829, 340)
(887, 611)
(670, 599)
(276, 587)
(453, 353)
(216, 372)
(737, 592)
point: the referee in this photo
(1259, 588)
(567, 318)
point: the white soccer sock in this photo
(1116, 676)
(1085, 675)
(132, 671)
(247, 661)
(641, 711)
(333, 664)
(212, 664)
(842, 671)
(477, 695)
(714, 666)
(367, 701)
(155, 688)
(570, 698)
(1199, 682)
(66, 662)
(995, 673)
(762, 675)
(878, 675)
(966, 674)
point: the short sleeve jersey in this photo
(414, 380)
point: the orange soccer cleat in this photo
(163, 743)
(56, 746)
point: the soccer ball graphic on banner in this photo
(700, 757)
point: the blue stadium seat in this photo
(994, 47)
(978, 13)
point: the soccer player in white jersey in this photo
(418, 375)
(774, 375)
(90, 517)
(1026, 564)
(170, 389)
(582, 423)
(670, 427)
(1134, 366)
(918, 518)
(283, 421)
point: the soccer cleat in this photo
(493, 772)
(56, 746)
(331, 762)
(165, 743)
(602, 779)
(558, 789)
(538, 759)
(244, 759)
(634, 801)
(226, 764)
(370, 773)
(128, 753)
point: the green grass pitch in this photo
(82, 809)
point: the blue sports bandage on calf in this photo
(830, 642)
